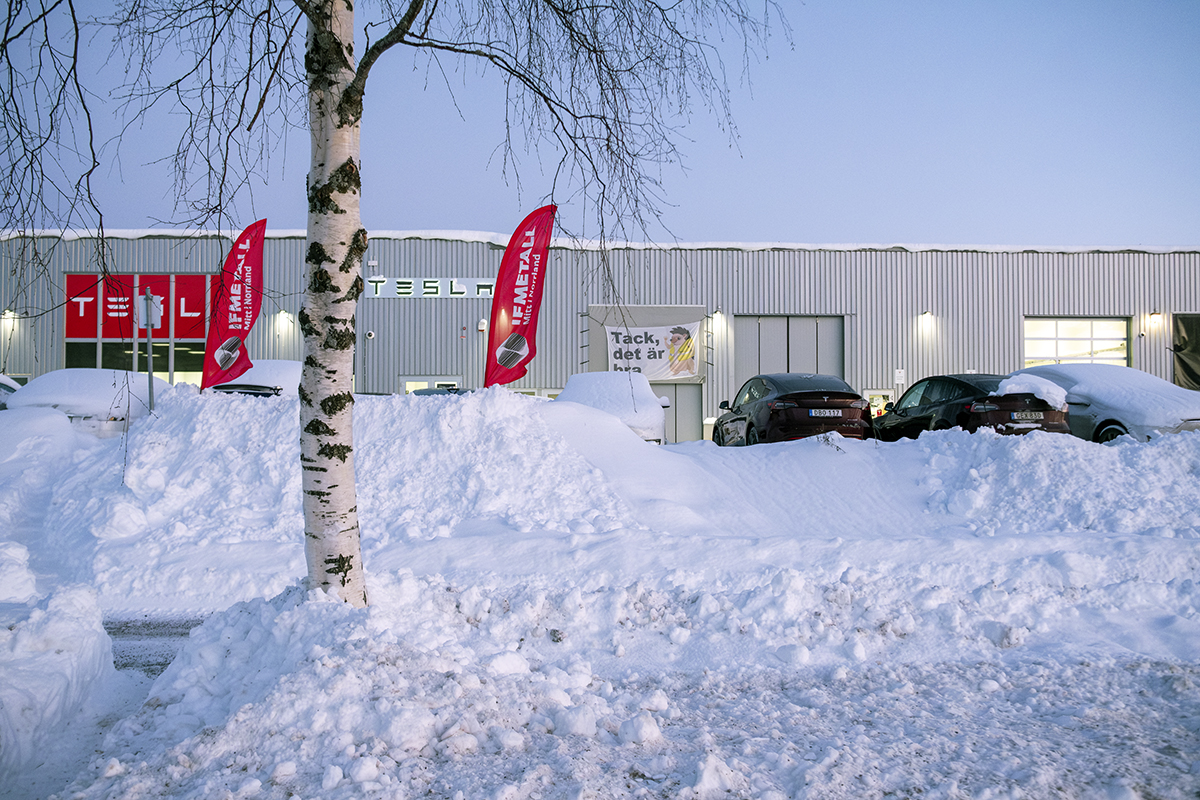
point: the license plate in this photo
(824, 412)
(1028, 415)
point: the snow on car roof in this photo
(1024, 383)
(89, 392)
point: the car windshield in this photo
(988, 383)
(811, 383)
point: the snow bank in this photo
(649, 689)
(560, 609)
(17, 583)
(210, 487)
(49, 662)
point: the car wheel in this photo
(1109, 432)
(940, 425)
(751, 436)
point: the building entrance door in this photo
(684, 423)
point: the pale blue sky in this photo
(1007, 123)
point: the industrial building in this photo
(882, 317)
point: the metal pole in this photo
(149, 322)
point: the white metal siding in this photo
(977, 301)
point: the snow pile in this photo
(428, 464)
(49, 662)
(625, 395)
(17, 583)
(200, 501)
(636, 691)
(560, 609)
(1021, 383)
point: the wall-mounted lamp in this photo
(482, 326)
(926, 314)
(1155, 318)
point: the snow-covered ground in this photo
(560, 610)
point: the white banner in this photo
(659, 353)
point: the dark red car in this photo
(968, 402)
(792, 405)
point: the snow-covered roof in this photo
(501, 239)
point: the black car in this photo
(969, 402)
(792, 405)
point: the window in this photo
(754, 389)
(912, 398)
(1076, 341)
(106, 318)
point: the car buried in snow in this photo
(973, 401)
(783, 406)
(1107, 401)
(626, 395)
(101, 402)
(266, 378)
(7, 387)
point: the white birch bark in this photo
(333, 262)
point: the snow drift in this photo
(561, 609)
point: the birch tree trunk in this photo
(333, 265)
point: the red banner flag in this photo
(237, 298)
(517, 299)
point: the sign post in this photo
(150, 323)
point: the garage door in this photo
(787, 344)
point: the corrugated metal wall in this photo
(977, 302)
